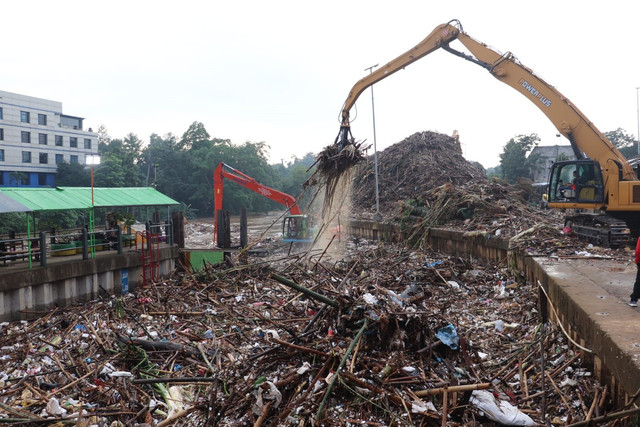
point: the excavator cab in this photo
(297, 228)
(578, 181)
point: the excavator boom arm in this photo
(443, 34)
(223, 171)
(566, 117)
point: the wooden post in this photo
(85, 244)
(43, 249)
(177, 229)
(226, 238)
(244, 235)
(220, 229)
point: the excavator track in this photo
(602, 230)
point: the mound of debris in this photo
(386, 337)
(413, 166)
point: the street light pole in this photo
(92, 160)
(377, 216)
(638, 110)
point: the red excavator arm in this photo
(225, 171)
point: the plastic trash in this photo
(304, 368)
(369, 299)
(422, 407)
(54, 408)
(499, 411)
(274, 334)
(271, 394)
(432, 264)
(448, 336)
(120, 374)
(410, 291)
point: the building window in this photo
(42, 119)
(73, 142)
(1, 113)
(59, 159)
(26, 157)
(25, 116)
(73, 159)
(42, 179)
(44, 158)
(1, 157)
(58, 140)
(87, 143)
(1, 134)
(25, 137)
(42, 138)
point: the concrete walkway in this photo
(592, 295)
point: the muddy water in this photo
(199, 232)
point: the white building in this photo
(35, 137)
(547, 155)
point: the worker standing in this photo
(633, 301)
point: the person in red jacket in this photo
(633, 301)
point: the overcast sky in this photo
(279, 71)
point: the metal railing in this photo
(72, 242)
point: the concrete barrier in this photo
(29, 292)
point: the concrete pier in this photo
(26, 292)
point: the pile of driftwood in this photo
(409, 169)
(384, 337)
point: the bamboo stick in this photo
(455, 388)
(342, 363)
(305, 291)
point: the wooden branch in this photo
(305, 291)
(174, 380)
(452, 389)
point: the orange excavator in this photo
(296, 226)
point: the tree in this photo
(73, 175)
(196, 136)
(513, 159)
(122, 156)
(110, 173)
(624, 142)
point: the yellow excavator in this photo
(600, 187)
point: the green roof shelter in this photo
(31, 200)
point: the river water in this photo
(199, 232)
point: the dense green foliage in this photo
(513, 159)
(182, 168)
(624, 142)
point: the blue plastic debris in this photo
(448, 336)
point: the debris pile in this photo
(425, 182)
(332, 164)
(410, 168)
(387, 337)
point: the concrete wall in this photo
(572, 302)
(24, 293)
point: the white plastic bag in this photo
(499, 410)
